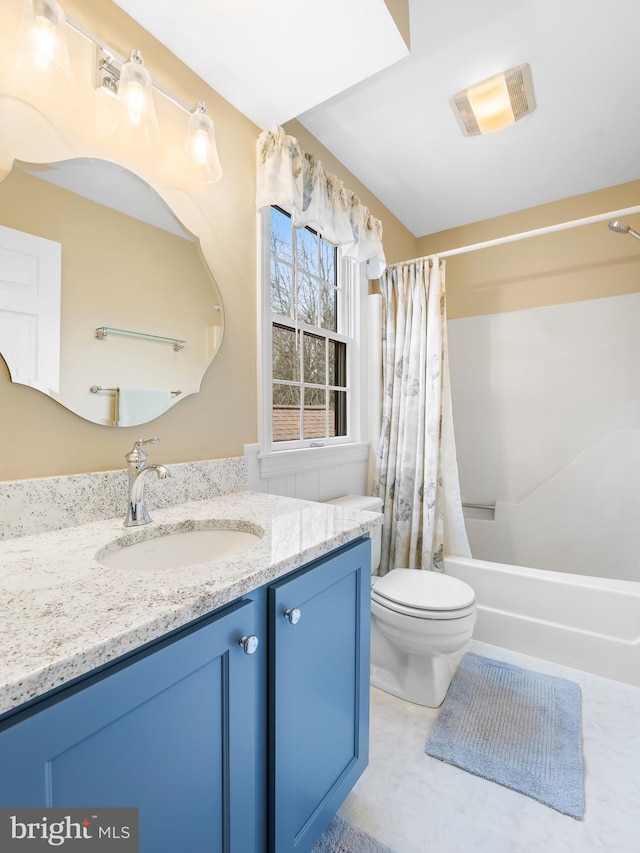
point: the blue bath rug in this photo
(519, 728)
(343, 837)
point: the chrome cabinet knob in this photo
(293, 615)
(249, 644)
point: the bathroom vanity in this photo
(228, 701)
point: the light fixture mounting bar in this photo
(108, 70)
(109, 63)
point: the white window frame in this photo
(292, 455)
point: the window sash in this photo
(344, 397)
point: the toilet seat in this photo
(424, 594)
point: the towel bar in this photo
(95, 388)
(103, 331)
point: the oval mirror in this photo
(106, 302)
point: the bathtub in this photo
(589, 623)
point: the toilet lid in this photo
(424, 590)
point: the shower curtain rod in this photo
(524, 235)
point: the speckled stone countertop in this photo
(62, 614)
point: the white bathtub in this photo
(589, 623)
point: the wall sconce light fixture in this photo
(200, 151)
(40, 58)
(135, 118)
(495, 103)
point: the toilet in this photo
(418, 618)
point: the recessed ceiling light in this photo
(495, 103)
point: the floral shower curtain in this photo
(416, 470)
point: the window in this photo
(309, 338)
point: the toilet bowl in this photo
(418, 618)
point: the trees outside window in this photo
(311, 337)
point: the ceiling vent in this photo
(495, 103)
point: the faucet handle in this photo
(142, 441)
(137, 455)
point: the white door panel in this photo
(30, 286)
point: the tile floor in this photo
(416, 804)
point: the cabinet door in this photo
(319, 699)
(170, 730)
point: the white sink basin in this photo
(179, 549)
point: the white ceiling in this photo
(395, 130)
(273, 59)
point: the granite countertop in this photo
(62, 614)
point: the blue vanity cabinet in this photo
(222, 751)
(318, 693)
(171, 730)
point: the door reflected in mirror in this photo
(86, 245)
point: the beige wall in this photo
(581, 263)
(399, 11)
(37, 436)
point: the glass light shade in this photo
(40, 57)
(200, 159)
(491, 104)
(135, 121)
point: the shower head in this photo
(621, 228)
(618, 227)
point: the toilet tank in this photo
(370, 504)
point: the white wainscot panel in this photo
(319, 474)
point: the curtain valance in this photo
(297, 181)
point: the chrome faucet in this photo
(137, 513)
